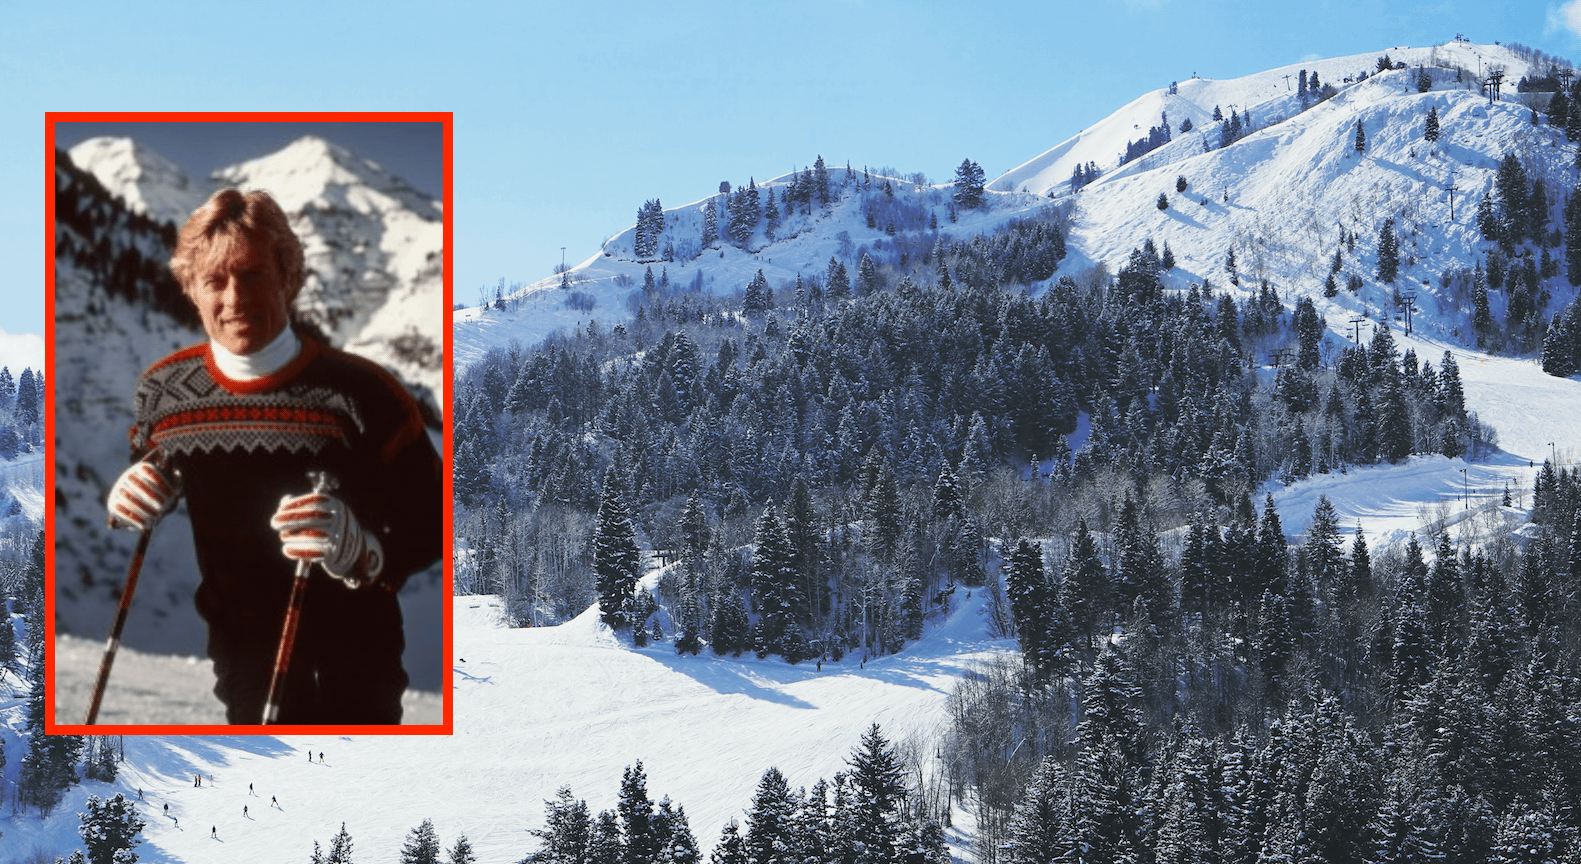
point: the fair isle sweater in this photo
(239, 446)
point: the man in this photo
(235, 425)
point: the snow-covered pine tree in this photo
(837, 282)
(461, 852)
(422, 845)
(640, 842)
(1026, 584)
(50, 765)
(1388, 252)
(1085, 587)
(339, 848)
(567, 833)
(877, 804)
(1038, 828)
(731, 848)
(710, 234)
(776, 585)
(110, 827)
(757, 299)
(615, 553)
(677, 843)
(1430, 131)
(1361, 137)
(968, 185)
(770, 839)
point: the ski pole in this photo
(113, 644)
(293, 615)
(114, 641)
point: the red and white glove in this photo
(320, 527)
(141, 496)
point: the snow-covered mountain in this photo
(1278, 197)
(149, 183)
(375, 285)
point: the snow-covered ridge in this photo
(149, 183)
(1269, 97)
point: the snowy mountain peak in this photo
(311, 171)
(148, 182)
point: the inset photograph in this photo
(249, 394)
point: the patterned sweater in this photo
(240, 446)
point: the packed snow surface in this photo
(535, 709)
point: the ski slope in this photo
(536, 709)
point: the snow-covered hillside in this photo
(539, 708)
(1278, 197)
(803, 244)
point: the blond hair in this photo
(231, 214)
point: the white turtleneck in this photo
(265, 361)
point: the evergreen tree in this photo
(422, 845)
(1395, 439)
(968, 185)
(110, 829)
(1388, 252)
(28, 393)
(776, 586)
(1085, 588)
(640, 842)
(1559, 349)
(710, 225)
(615, 554)
(770, 822)
(1026, 584)
(879, 787)
(758, 298)
(461, 852)
(1038, 827)
(837, 282)
(567, 833)
(1430, 132)
(1163, 201)
(678, 844)
(729, 633)
(731, 848)
(50, 765)
(339, 848)
(1481, 316)
(1361, 137)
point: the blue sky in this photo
(567, 117)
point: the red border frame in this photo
(446, 119)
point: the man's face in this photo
(242, 299)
